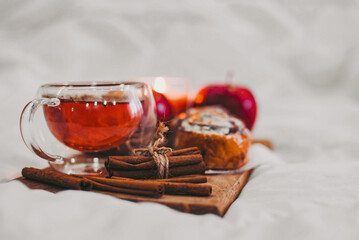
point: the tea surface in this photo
(91, 125)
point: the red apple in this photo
(237, 100)
(164, 109)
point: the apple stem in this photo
(229, 77)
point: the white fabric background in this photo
(300, 58)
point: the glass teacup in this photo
(82, 123)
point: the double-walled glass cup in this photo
(75, 126)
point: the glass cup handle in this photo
(27, 128)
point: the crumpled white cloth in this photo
(280, 201)
(299, 58)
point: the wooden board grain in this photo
(225, 189)
(263, 141)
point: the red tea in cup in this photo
(91, 125)
(79, 124)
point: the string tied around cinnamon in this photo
(157, 151)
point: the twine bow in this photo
(157, 151)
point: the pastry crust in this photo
(220, 150)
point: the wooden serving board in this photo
(225, 189)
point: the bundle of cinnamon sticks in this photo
(189, 185)
(181, 162)
(125, 173)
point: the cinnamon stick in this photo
(106, 187)
(173, 188)
(128, 163)
(56, 178)
(141, 159)
(184, 151)
(195, 179)
(190, 179)
(198, 168)
(131, 184)
(129, 159)
(188, 189)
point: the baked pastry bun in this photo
(223, 139)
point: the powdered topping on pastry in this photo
(212, 120)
